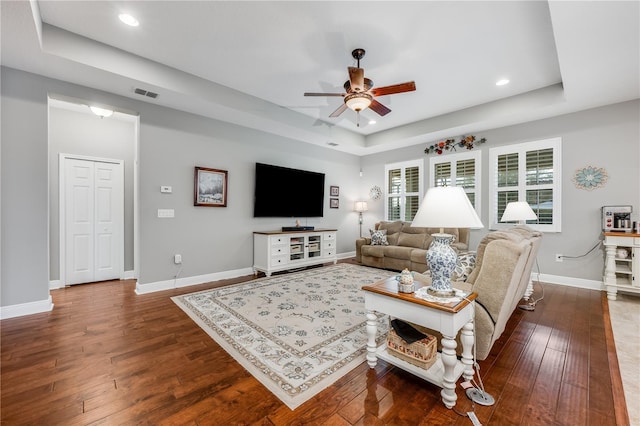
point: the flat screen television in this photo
(285, 192)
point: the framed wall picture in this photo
(210, 187)
(334, 203)
(334, 191)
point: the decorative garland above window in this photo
(590, 178)
(451, 144)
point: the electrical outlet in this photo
(558, 258)
(177, 259)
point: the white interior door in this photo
(94, 218)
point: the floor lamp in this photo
(520, 211)
(360, 206)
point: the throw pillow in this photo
(379, 237)
(464, 265)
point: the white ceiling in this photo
(249, 63)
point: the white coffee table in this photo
(383, 297)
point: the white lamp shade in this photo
(518, 210)
(446, 207)
(361, 206)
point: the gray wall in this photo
(73, 132)
(25, 232)
(213, 240)
(607, 137)
(171, 144)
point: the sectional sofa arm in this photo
(359, 243)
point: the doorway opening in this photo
(93, 150)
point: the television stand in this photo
(275, 251)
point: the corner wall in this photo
(607, 137)
(172, 143)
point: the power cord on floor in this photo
(175, 277)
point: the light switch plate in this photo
(165, 213)
(165, 189)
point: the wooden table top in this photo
(389, 287)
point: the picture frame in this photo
(210, 187)
(334, 203)
(334, 191)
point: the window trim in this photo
(453, 159)
(521, 149)
(402, 166)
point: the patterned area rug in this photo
(296, 333)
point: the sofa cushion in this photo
(419, 256)
(411, 240)
(391, 227)
(379, 237)
(491, 236)
(373, 251)
(398, 252)
(464, 266)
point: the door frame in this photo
(62, 236)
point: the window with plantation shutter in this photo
(527, 172)
(458, 170)
(403, 190)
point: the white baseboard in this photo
(29, 308)
(346, 255)
(569, 281)
(188, 281)
(56, 284)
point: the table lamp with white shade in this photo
(360, 206)
(444, 207)
(519, 211)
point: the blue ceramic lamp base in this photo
(441, 259)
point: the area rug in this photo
(296, 333)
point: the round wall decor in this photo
(590, 178)
(375, 192)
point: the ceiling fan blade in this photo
(339, 111)
(356, 77)
(379, 108)
(409, 86)
(324, 94)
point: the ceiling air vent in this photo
(143, 92)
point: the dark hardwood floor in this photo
(107, 356)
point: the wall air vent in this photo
(143, 92)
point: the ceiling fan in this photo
(360, 93)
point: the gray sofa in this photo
(407, 246)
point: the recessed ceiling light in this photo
(502, 82)
(128, 19)
(372, 121)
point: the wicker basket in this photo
(421, 353)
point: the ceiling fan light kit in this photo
(359, 92)
(358, 101)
